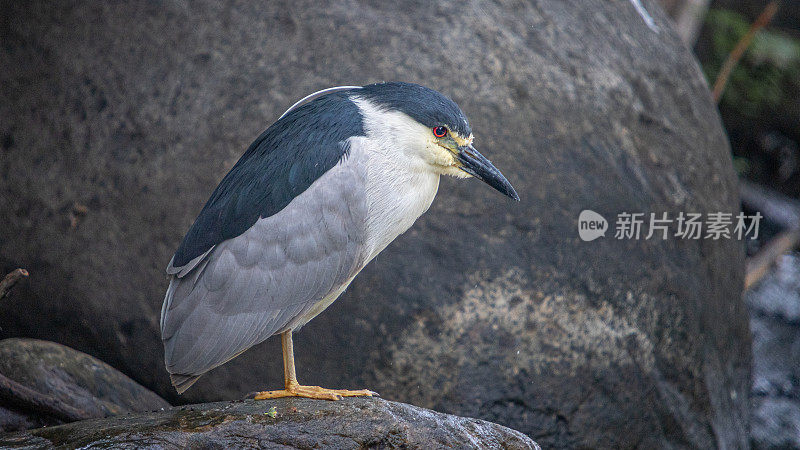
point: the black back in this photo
(296, 150)
(281, 164)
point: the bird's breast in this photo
(397, 195)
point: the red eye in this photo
(440, 131)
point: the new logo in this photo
(591, 225)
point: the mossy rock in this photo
(283, 423)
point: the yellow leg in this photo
(294, 389)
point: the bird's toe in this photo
(315, 392)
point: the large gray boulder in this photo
(284, 423)
(486, 308)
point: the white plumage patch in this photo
(404, 164)
(405, 141)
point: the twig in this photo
(757, 266)
(10, 280)
(733, 58)
(13, 393)
(779, 209)
(774, 206)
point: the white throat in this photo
(401, 183)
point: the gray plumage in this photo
(282, 163)
(269, 278)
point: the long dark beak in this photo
(481, 168)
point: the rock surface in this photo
(119, 120)
(775, 322)
(88, 387)
(297, 423)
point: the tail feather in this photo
(182, 382)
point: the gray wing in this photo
(248, 288)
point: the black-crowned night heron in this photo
(318, 195)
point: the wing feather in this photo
(278, 166)
(249, 287)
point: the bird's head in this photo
(425, 128)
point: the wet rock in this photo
(486, 307)
(284, 423)
(54, 384)
(776, 423)
(775, 322)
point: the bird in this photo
(309, 204)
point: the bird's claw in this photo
(314, 392)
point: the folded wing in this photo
(250, 287)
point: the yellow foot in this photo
(314, 392)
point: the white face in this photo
(411, 142)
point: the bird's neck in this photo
(397, 194)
